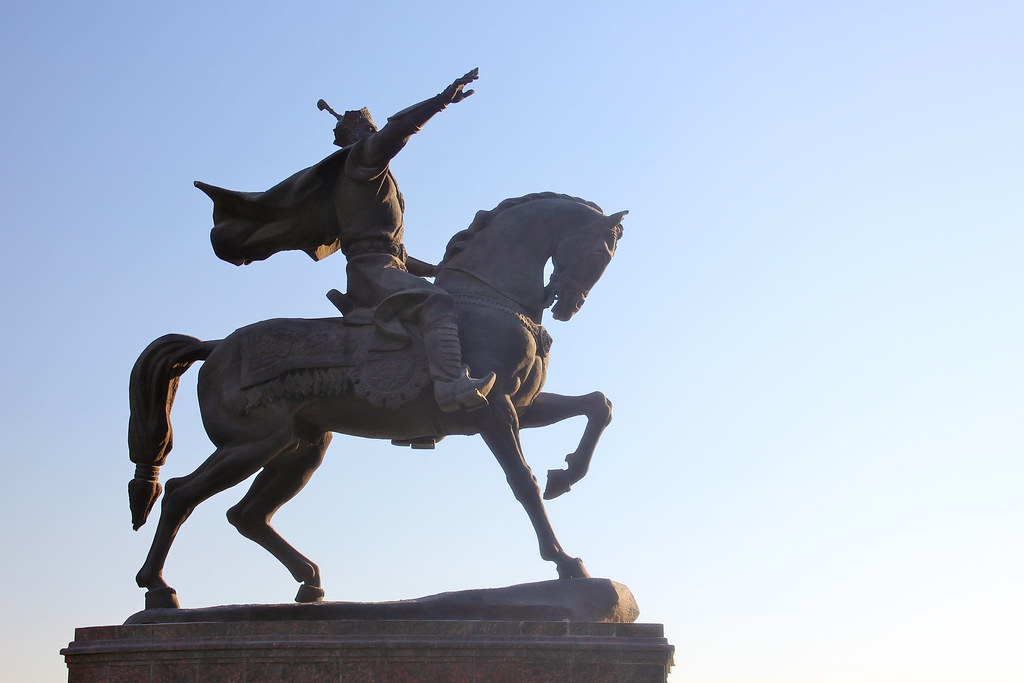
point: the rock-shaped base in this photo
(583, 600)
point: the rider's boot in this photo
(454, 389)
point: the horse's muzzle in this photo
(568, 305)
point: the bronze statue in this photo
(272, 393)
(350, 201)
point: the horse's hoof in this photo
(309, 593)
(573, 569)
(162, 598)
(558, 483)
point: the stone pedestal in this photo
(371, 651)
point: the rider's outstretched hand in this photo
(455, 93)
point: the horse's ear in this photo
(616, 218)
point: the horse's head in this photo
(580, 259)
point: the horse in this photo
(494, 270)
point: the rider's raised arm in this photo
(381, 147)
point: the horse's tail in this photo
(151, 390)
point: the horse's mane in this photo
(483, 218)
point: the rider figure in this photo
(350, 201)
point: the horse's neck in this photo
(502, 263)
(471, 285)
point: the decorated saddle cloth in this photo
(290, 358)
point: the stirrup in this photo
(418, 443)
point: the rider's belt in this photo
(375, 245)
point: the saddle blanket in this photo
(296, 358)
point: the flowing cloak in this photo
(297, 213)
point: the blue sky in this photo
(811, 330)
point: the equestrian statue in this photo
(408, 360)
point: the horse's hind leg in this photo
(280, 480)
(228, 466)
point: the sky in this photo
(811, 330)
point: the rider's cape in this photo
(297, 213)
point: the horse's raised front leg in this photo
(499, 427)
(548, 409)
(280, 480)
